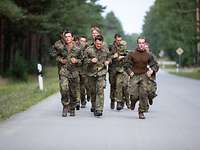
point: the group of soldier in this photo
(82, 69)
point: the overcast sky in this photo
(130, 12)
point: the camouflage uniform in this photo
(152, 85)
(84, 89)
(96, 76)
(139, 83)
(68, 74)
(118, 77)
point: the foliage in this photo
(20, 68)
(170, 25)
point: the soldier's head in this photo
(141, 43)
(68, 36)
(147, 47)
(98, 42)
(95, 31)
(83, 40)
(118, 39)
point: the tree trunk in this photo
(2, 22)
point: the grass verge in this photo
(16, 96)
(193, 73)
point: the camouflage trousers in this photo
(84, 89)
(152, 88)
(69, 89)
(112, 80)
(96, 85)
(138, 90)
(121, 92)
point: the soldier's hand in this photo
(63, 61)
(106, 63)
(94, 60)
(74, 60)
(121, 57)
(115, 55)
(131, 74)
(149, 73)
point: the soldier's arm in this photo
(78, 56)
(153, 63)
(88, 56)
(128, 64)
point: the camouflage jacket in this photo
(59, 50)
(99, 68)
(117, 64)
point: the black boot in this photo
(92, 109)
(133, 105)
(72, 113)
(77, 106)
(119, 106)
(98, 113)
(112, 105)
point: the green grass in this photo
(16, 96)
(190, 73)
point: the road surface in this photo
(171, 124)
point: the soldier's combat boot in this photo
(92, 109)
(122, 104)
(98, 113)
(133, 105)
(83, 105)
(77, 106)
(128, 105)
(150, 101)
(72, 113)
(119, 106)
(112, 105)
(141, 115)
(65, 110)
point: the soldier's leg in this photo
(78, 92)
(82, 91)
(126, 94)
(134, 90)
(74, 89)
(112, 80)
(143, 96)
(152, 91)
(64, 90)
(99, 96)
(126, 98)
(92, 85)
(119, 90)
(87, 88)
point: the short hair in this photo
(83, 36)
(95, 28)
(141, 37)
(65, 31)
(98, 37)
(117, 35)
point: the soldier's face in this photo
(146, 47)
(95, 33)
(68, 38)
(83, 41)
(98, 44)
(141, 44)
(118, 40)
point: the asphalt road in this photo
(171, 124)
